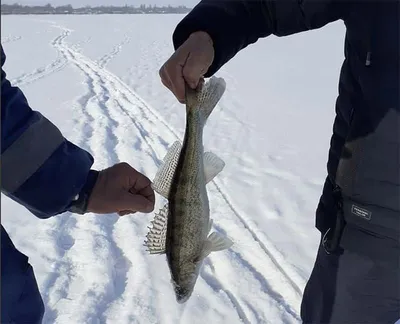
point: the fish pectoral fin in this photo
(165, 173)
(163, 178)
(215, 242)
(156, 236)
(212, 165)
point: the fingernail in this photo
(150, 207)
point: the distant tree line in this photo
(16, 9)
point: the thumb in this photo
(135, 203)
(199, 59)
(195, 67)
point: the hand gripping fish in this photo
(181, 228)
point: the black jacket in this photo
(367, 108)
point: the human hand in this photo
(189, 63)
(123, 190)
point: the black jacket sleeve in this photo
(235, 24)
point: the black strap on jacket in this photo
(331, 238)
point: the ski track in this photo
(10, 38)
(109, 107)
(103, 61)
(77, 47)
(266, 246)
(217, 286)
(57, 65)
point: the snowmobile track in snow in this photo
(57, 65)
(103, 61)
(10, 39)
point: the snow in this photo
(96, 78)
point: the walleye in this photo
(181, 228)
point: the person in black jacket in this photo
(355, 278)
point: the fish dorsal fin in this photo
(165, 173)
(206, 97)
(212, 166)
(215, 242)
(156, 236)
(163, 178)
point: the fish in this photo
(181, 228)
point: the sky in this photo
(82, 3)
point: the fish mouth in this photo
(182, 295)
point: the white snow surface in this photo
(96, 78)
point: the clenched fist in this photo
(123, 190)
(189, 63)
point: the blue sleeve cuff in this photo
(52, 188)
(79, 206)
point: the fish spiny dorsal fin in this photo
(155, 242)
(206, 96)
(163, 178)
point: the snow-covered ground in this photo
(96, 78)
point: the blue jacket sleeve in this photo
(40, 168)
(235, 24)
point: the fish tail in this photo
(205, 97)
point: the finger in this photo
(141, 182)
(135, 203)
(173, 72)
(174, 76)
(201, 83)
(126, 212)
(148, 193)
(135, 180)
(164, 78)
(177, 83)
(196, 66)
